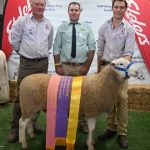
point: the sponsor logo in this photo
(136, 16)
(11, 15)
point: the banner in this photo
(13, 11)
(95, 13)
(139, 17)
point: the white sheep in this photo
(98, 95)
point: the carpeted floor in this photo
(138, 133)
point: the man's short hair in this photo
(75, 3)
(126, 4)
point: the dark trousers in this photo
(26, 68)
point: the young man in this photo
(31, 38)
(78, 62)
(116, 38)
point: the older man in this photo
(31, 38)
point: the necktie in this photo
(73, 52)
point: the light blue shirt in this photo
(85, 41)
(30, 38)
(115, 42)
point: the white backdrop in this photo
(95, 13)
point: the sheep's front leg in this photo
(22, 131)
(91, 125)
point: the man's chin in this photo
(119, 17)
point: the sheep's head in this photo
(126, 68)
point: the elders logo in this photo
(20, 8)
(138, 16)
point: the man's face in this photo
(38, 7)
(119, 10)
(74, 12)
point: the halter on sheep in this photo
(94, 100)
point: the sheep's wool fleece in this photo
(33, 94)
(99, 93)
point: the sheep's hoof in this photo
(32, 136)
(93, 142)
(91, 148)
(24, 147)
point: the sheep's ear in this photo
(112, 64)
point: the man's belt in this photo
(104, 63)
(73, 64)
(34, 59)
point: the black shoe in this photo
(123, 141)
(36, 129)
(84, 128)
(13, 136)
(108, 134)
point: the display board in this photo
(95, 13)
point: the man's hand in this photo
(59, 70)
(84, 70)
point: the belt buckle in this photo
(76, 64)
(35, 59)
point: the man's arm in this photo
(16, 35)
(84, 70)
(58, 67)
(91, 51)
(50, 38)
(129, 44)
(56, 52)
(99, 58)
(100, 46)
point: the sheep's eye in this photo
(121, 64)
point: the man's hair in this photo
(126, 4)
(75, 3)
(31, 1)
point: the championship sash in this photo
(63, 99)
(74, 112)
(51, 111)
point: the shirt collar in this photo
(32, 17)
(121, 23)
(73, 23)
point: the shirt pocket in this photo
(29, 30)
(121, 36)
(82, 35)
(67, 35)
(45, 31)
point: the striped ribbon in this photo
(62, 110)
(74, 112)
(51, 111)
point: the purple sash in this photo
(63, 98)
